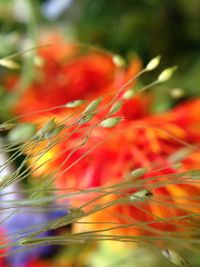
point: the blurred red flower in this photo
(66, 72)
(2, 251)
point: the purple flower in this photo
(21, 224)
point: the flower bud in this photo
(153, 63)
(128, 94)
(55, 131)
(166, 74)
(110, 122)
(119, 61)
(22, 132)
(47, 128)
(141, 195)
(177, 93)
(179, 155)
(8, 63)
(174, 257)
(85, 118)
(138, 172)
(93, 105)
(116, 107)
(74, 104)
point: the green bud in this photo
(8, 63)
(166, 74)
(179, 155)
(128, 94)
(22, 132)
(85, 118)
(174, 257)
(74, 104)
(110, 122)
(93, 105)
(177, 93)
(38, 61)
(55, 131)
(138, 172)
(119, 61)
(116, 107)
(141, 195)
(47, 128)
(153, 63)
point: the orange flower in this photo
(107, 158)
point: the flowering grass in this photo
(85, 141)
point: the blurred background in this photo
(144, 27)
